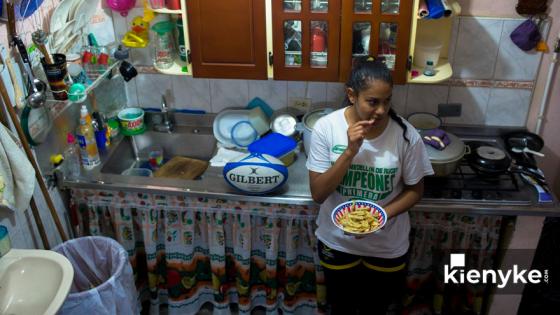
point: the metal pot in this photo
(446, 161)
(308, 123)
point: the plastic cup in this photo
(137, 172)
(155, 157)
(56, 75)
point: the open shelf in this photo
(167, 11)
(455, 11)
(443, 72)
(179, 67)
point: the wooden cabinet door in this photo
(306, 38)
(376, 28)
(228, 38)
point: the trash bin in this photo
(103, 280)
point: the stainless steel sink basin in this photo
(188, 141)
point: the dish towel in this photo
(437, 138)
(223, 156)
(17, 176)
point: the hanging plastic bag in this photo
(526, 35)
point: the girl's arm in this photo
(323, 184)
(405, 200)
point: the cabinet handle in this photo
(270, 58)
(189, 56)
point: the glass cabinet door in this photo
(390, 6)
(292, 43)
(292, 5)
(361, 32)
(379, 28)
(362, 6)
(306, 39)
(319, 44)
(319, 5)
(387, 43)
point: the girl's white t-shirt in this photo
(378, 173)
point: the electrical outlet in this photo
(301, 103)
(449, 110)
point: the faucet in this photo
(166, 125)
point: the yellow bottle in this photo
(86, 139)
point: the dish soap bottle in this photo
(86, 139)
(429, 69)
(71, 158)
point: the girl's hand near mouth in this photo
(356, 134)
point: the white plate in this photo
(60, 15)
(72, 11)
(224, 122)
(83, 13)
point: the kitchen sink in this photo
(188, 141)
(34, 281)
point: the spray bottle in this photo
(86, 139)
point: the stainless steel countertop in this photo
(295, 191)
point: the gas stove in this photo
(468, 186)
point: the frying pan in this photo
(522, 140)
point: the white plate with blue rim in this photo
(232, 128)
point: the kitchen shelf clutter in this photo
(430, 41)
(179, 66)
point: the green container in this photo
(181, 39)
(132, 121)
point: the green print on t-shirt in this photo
(367, 182)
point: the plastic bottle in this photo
(429, 69)
(181, 39)
(86, 139)
(71, 158)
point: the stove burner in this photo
(469, 185)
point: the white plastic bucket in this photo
(427, 49)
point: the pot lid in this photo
(284, 124)
(490, 153)
(454, 151)
(311, 118)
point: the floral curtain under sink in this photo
(189, 251)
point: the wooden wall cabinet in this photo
(307, 40)
(227, 38)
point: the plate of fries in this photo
(359, 217)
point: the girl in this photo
(366, 151)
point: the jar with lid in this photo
(164, 50)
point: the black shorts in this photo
(337, 260)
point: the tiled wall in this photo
(493, 80)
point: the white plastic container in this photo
(427, 49)
(259, 120)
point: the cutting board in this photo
(182, 168)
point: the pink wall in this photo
(549, 129)
(495, 8)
